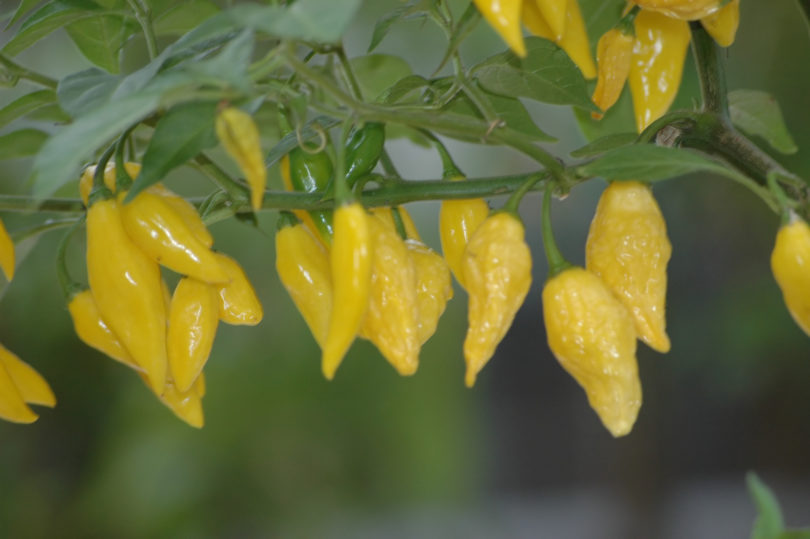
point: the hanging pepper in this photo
(658, 57)
(392, 319)
(386, 214)
(575, 39)
(614, 55)
(193, 320)
(504, 17)
(309, 173)
(240, 137)
(186, 405)
(94, 331)
(458, 221)
(12, 406)
(6, 252)
(497, 268)
(302, 264)
(687, 10)
(433, 286)
(554, 13)
(628, 249)
(31, 385)
(722, 25)
(790, 263)
(238, 303)
(126, 285)
(350, 264)
(363, 151)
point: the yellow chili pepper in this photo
(238, 303)
(555, 14)
(186, 405)
(790, 263)
(126, 285)
(94, 332)
(575, 39)
(497, 268)
(392, 320)
(239, 135)
(31, 385)
(350, 263)
(504, 17)
(86, 179)
(302, 264)
(591, 334)
(614, 55)
(433, 286)
(628, 249)
(193, 320)
(12, 406)
(722, 25)
(387, 216)
(163, 235)
(6, 252)
(658, 57)
(458, 221)
(688, 10)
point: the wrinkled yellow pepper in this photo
(458, 221)
(687, 10)
(238, 303)
(790, 263)
(94, 331)
(614, 56)
(433, 286)
(240, 137)
(722, 25)
(193, 320)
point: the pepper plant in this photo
(272, 86)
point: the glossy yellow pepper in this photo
(575, 39)
(687, 10)
(186, 405)
(392, 319)
(193, 320)
(126, 285)
(658, 57)
(614, 55)
(458, 221)
(592, 336)
(302, 264)
(31, 385)
(350, 264)
(555, 14)
(387, 216)
(163, 235)
(6, 252)
(12, 406)
(504, 17)
(94, 332)
(238, 303)
(433, 286)
(790, 263)
(240, 137)
(629, 250)
(723, 24)
(497, 268)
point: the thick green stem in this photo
(19, 71)
(711, 71)
(143, 17)
(556, 261)
(237, 192)
(513, 204)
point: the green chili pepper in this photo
(363, 151)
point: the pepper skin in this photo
(193, 320)
(350, 264)
(790, 263)
(555, 13)
(458, 221)
(239, 136)
(302, 264)
(657, 67)
(723, 24)
(614, 55)
(238, 304)
(687, 10)
(126, 285)
(387, 216)
(31, 385)
(12, 406)
(504, 17)
(363, 150)
(497, 268)
(186, 405)
(591, 334)
(94, 332)
(575, 39)
(392, 320)
(7, 261)
(163, 235)
(309, 173)
(629, 250)
(434, 287)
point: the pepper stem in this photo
(513, 204)
(556, 262)
(450, 170)
(399, 224)
(784, 204)
(625, 25)
(100, 191)
(69, 287)
(285, 219)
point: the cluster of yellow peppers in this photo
(128, 312)
(647, 49)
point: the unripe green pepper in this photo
(363, 151)
(308, 173)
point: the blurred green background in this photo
(286, 454)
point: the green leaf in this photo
(604, 144)
(290, 140)
(59, 159)
(619, 119)
(648, 163)
(230, 65)
(27, 103)
(323, 21)
(50, 113)
(24, 7)
(769, 523)
(377, 72)
(101, 38)
(385, 22)
(21, 143)
(405, 90)
(175, 17)
(546, 74)
(83, 91)
(181, 134)
(758, 114)
(52, 16)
